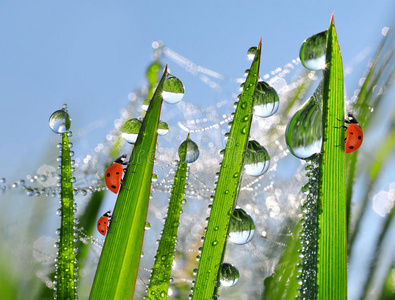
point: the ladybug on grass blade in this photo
(354, 134)
(103, 223)
(114, 173)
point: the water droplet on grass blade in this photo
(251, 53)
(145, 104)
(173, 90)
(60, 121)
(163, 128)
(266, 100)
(241, 227)
(188, 151)
(313, 51)
(130, 130)
(304, 131)
(256, 159)
(228, 275)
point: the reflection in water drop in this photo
(130, 130)
(188, 151)
(251, 53)
(256, 159)
(241, 227)
(266, 100)
(173, 90)
(145, 105)
(163, 128)
(304, 131)
(60, 121)
(313, 51)
(228, 275)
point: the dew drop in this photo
(241, 227)
(256, 159)
(266, 100)
(147, 226)
(188, 151)
(251, 53)
(228, 275)
(60, 121)
(304, 131)
(130, 130)
(163, 128)
(145, 104)
(173, 90)
(29, 192)
(313, 51)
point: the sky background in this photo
(92, 54)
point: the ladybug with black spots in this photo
(103, 223)
(114, 173)
(354, 136)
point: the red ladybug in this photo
(103, 223)
(354, 134)
(114, 173)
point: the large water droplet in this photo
(188, 151)
(241, 227)
(251, 53)
(163, 128)
(228, 275)
(173, 90)
(256, 159)
(130, 130)
(313, 51)
(266, 100)
(60, 121)
(304, 131)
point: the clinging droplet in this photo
(228, 275)
(313, 51)
(241, 227)
(130, 130)
(60, 121)
(256, 159)
(266, 100)
(188, 151)
(251, 53)
(173, 90)
(163, 128)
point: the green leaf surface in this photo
(282, 285)
(332, 250)
(227, 189)
(160, 276)
(66, 286)
(119, 262)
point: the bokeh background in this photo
(93, 54)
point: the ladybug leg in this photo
(343, 126)
(341, 143)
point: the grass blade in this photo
(332, 250)
(66, 271)
(119, 262)
(160, 276)
(226, 190)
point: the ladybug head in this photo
(107, 214)
(121, 159)
(351, 118)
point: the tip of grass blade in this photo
(333, 18)
(167, 65)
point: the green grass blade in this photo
(160, 276)
(388, 289)
(65, 273)
(119, 262)
(283, 284)
(332, 250)
(226, 190)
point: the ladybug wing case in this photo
(113, 177)
(354, 138)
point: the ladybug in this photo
(103, 222)
(114, 173)
(354, 134)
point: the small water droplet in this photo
(228, 275)
(60, 121)
(145, 104)
(313, 51)
(173, 90)
(147, 226)
(29, 192)
(256, 159)
(163, 128)
(130, 130)
(188, 151)
(266, 100)
(251, 53)
(241, 227)
(304, 131)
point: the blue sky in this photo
(91, 54)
